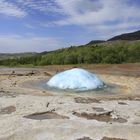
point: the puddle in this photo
(84, 138)
(8, 110)
(107, 138)
(86, 100)
(136, 123)
(98, 109)
(122, 103)
(45, 115)
(103, 117)
(137, 113)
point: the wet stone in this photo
(8, 110)
(103, 117)
(98, 109)
(86, 100)
(107, 138)
(84, 138)
(45, 115)
(136, 123)
(122, 103)
(137, 113)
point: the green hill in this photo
(95, 42)
(127, 36)
(98, 51)
(108, 52)
(15, 55)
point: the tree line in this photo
(115, 53)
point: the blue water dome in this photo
(75, 79)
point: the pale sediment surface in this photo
(31, 113)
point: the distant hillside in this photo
(95, 42)
(16, 55)
(110, 52)
(114, 51)
(127, 36)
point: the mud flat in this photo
(28, 112)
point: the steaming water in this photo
(75, 79)
(108, 89)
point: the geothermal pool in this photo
(75, 81)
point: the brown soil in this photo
(115, 69)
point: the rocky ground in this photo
(28, 112)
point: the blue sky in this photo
(44, 25)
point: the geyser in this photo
(75, 79)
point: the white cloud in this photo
(40, 5)
(21, 8)
(14, 43)
(100, 16)
(103, 18)
(10, 9)
(29, 26)
(105, 31)
(92, 12)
